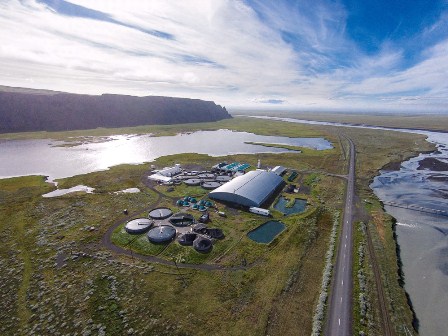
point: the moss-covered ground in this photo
(57, 277)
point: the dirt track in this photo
(387, 327)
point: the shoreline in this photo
(347, 124)
(343, 124)
(400, 273)
(426, 164)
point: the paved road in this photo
(340, 304)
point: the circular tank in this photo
(182, 219)
(215, 233)
(210, 185)
(207, 176)
(202, 244)
(200, 228)
(192, 182)
(161, 234)
(223, 178)
(138, 226)
(160, 213)
(187, 238)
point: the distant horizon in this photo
(254, 54)
(242, 109)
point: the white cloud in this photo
(216, 50)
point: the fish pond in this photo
(282, 205)
(266, 232)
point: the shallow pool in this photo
(298, 206)
(266, 232)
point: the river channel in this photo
(422, 237)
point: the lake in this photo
(50, 158)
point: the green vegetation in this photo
(363, 282)
(434, 122)
(58, 277)
(236, 124)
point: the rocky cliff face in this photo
(23, 112)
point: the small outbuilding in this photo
(279, 170)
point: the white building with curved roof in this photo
(251, 189)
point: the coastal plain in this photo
(58, 277)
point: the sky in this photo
(306, 55)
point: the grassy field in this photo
(435, 122)
(237, 124)
(57, 277)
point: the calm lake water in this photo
(44, 157)
(422, 237)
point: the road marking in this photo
(345, 245)
(339, 320)
(341, 298)
(342, 282)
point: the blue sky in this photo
(305, 54)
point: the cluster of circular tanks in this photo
(192, 202)
(197, 235)
(207, 181)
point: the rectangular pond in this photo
(266, 232)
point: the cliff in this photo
(53, 111)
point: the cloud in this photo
(253, 53)
(67, 8)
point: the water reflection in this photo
(41, 157)
(422, 237)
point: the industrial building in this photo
(251, 189)
(171, 171)
(166, 174)
(279, 170)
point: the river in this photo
(422, 237)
